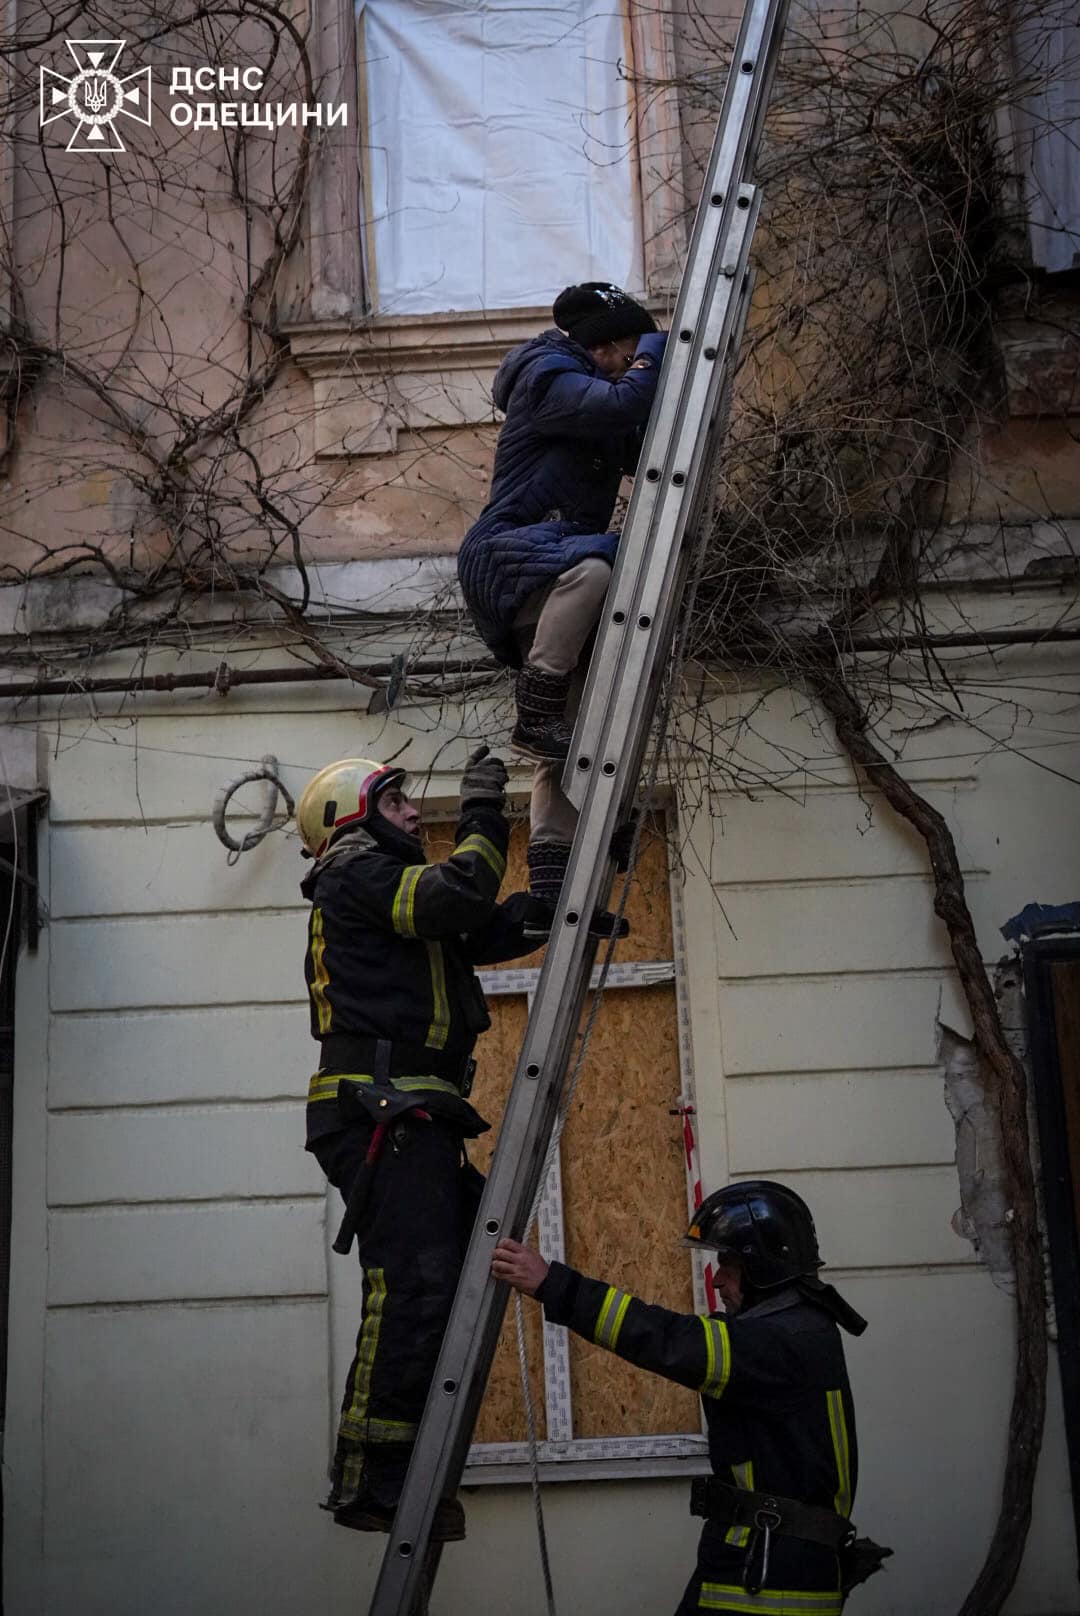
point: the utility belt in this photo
(762, 1514)
(767, 1512)
(386, 1059)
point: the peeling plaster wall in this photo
(983, 1215)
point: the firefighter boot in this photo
(541, 731)
(547, 868)
(367, 1500)
(366, 1515)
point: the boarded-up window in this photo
(489, 127)
(623, 1201)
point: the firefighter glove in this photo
(484, 780)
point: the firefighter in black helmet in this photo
(392, 947)
(770, 1370)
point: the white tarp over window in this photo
(500, 156)
(1047, 48)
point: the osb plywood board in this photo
(624, 1185)
(624, 1193)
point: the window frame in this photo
(335, 261)
(646, 1457)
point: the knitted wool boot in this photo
(541, 731)
(547, 869)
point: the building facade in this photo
(217, 472)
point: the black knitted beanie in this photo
(597, 312)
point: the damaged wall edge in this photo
(983, 1215)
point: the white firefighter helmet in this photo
(344, 793)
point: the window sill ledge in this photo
(376, 378)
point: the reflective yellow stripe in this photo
(717, 1357)
(354, 1417)
(320, 976)
(389, 1431)
(402, 908)
(487, 851)
(601, 1318)
(617, 1324)
(731, 1596)
(352, 1469)
(744, 1478)
(608, 1308)
(610, 1318)
(324, 1085)
(834, 1402)
(439, 1030)
(417, 1085)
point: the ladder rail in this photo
(611, 741)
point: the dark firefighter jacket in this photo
(569, 436)
(778, 1406)
(392, 942)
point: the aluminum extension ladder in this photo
(633, 647)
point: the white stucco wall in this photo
(178, 1328)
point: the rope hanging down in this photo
(556, 1135)
(675, 674)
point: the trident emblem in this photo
(95, 93)
(95, 96)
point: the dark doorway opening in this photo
(11, 906)
(1052, 991)
(20, 925)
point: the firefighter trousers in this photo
(418, 1212)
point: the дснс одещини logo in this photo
(94, 96)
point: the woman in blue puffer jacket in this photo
(535, 567)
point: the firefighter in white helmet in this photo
(394, 999)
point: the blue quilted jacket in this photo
(568, 438)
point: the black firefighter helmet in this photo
(765, 1226)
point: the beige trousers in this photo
(553, 629)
